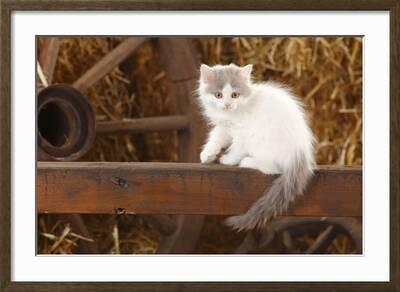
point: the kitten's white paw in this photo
(247, 162)
(207, 156)
(228, 160)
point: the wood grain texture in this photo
(143, 125)
(198, 286)
(5, 141)
(184, 188)
(200, 4)
(395, 146)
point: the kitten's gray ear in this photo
(206, 73)
(246, 71)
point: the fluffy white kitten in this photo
(263, 126)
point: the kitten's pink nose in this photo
(227, 106)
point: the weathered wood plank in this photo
(143, 125)
(184, 188)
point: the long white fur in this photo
(265, 130)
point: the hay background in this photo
(325, 72)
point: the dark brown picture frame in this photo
(8, 6)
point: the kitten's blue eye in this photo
(235, 94)
(218, 94)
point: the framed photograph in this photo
(195, 145)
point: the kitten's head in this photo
(225, 87)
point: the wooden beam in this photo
(181, 62)
(107, 63)
(184, 188)
(183, 81)
(143, 125)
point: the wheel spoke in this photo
(48, 57)
(181, 64)
(287, 240)
(143, 125)
(107, 63)
(323, 241)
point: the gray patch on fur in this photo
(276, 200)
(227, 75)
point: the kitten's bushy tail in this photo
(274, 201)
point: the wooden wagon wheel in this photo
(54, 99)
(279, 234)
(180, 233)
